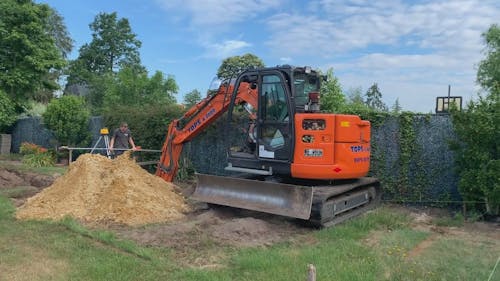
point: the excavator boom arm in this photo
(195, 120)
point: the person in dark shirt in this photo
(121, 139)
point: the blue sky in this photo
(412, 49)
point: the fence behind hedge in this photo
(410, 153)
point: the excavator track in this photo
(334, 204)
(320, 205)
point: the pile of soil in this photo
(98, 190)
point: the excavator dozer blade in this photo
(269, 197)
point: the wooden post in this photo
(464, 210)
(311, 272)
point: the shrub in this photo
(68, 118)
(36, 156)
(7, 111)
(477, 160)
(31, 148)
(45, 159)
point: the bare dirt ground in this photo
(197, 238)
(23, 185)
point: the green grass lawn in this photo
(381, 245)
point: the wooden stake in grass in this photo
(311, 272)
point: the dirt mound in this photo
(99, 190)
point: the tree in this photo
(355, 96)
(488, 74)
(374, 98)
(133, 87)
(192, 98)
(28, 49)
(7, 111)
(355, 103)
(231, 66)
(478, 132)
(396, 107)
(57, 29)
(332, 98)
(113, 47)
(68, 118)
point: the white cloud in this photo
(225, 49)
(218, 12)
(341, 26)
(285, 59)
(414, 49)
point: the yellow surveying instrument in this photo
(103, 137)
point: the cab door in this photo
(274, 138)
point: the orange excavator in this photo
(284, 155)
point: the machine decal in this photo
(361, 159)
(360, 148)
(203, 119)
(313, 152)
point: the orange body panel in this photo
(337, 148)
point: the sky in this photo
(412, 49)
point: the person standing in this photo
(121, 139)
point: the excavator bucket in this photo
(275, 198)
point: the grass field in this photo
(382, 245)
(386, 244)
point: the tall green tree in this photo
(488, 74)
(133, 87)
(355, 103)
(57, 29)
(231, 66)
(355, 96)
(29, 50)
(396, 107)
(332, 98)
(374, 98)
(64, 43)
(478, 132)
(192, 98)
(113, 47)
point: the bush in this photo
(68, 118)
(7, 111)
(31, 148)
(478, 130)
(36, 156)
(38, 160)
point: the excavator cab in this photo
(261, 140)
(260, 143)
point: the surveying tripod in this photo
(103, 137)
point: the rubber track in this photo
(322, 195)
